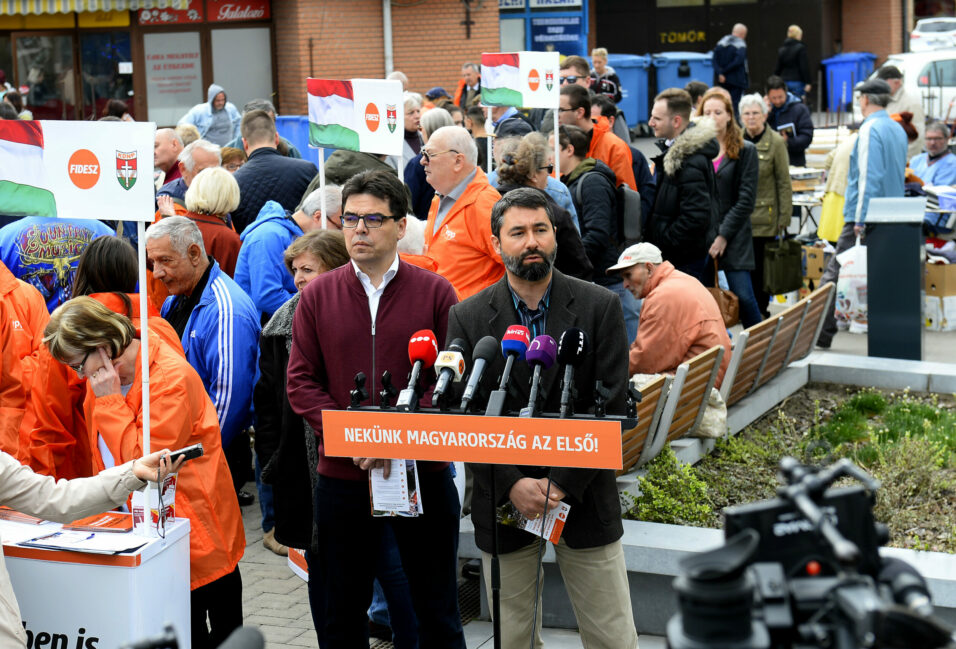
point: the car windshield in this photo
(936, 26)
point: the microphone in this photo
(245, 637)
(483, 353)
(514, 344)
(541, 356)
(422, 352)
(449, 367)
(572, 348)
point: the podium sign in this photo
(582, 443)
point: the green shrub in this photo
(671, 493)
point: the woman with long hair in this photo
(731, 237)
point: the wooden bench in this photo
(748, 358)
(820, 302)
(686, 401)
(653, 397)
(789, 322)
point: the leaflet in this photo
(398, 495)
(94, 542)
(549, 527)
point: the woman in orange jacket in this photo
(53, 438)
(105, 347)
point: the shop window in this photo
(107, 71)
(511, 31)
(173, 75)
(45, 67)
(242, 63)
(6, 60)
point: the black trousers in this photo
(340, 589)
(221, 602)
(239, 458)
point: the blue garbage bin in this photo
(848, 68)
(677, 69)
(295, 128)
(631, 69)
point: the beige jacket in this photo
(64, 501)
(838, 166)
(900, 102)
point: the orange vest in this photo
(26, 310)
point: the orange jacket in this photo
(53, 435)
(460, 90)
(11, 390)
(612, 151)
(180, 414)
(679, 319)
(462, 246)
(28, 315)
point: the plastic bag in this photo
(851, 287)
(714, 422)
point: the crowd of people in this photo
(267, 294)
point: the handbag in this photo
(727, 302)
(782, 271)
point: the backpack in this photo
(627, 209)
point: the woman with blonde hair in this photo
(105, 347)
(731, 237)
(529, 165)
(792, 63)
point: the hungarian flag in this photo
(500, 78)
(21, 178)
(332, 115)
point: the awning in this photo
(21, 7)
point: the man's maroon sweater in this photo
(333, 338)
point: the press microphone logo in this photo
(425, 339)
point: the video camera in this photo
(803, 570)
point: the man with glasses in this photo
(359, 318)
(575, 110)
(576, 71)
(458, 230)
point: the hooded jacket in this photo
(730, 60)
(260, 270)
(592, 186)
(685, 209)
(792, 62)
(200, 115)
(795, 114)
(679, 320)
(613, 151)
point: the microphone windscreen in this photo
(486, 349)
(542, 351)
(573, 347)
(516, 341)
(423, 347)
(457, 345)
(245, 637)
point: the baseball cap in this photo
(639, 253)
(437, 92)
(513, 126)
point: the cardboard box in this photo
(814, 261)
(806, 289)
(940, 279)
(939, 313)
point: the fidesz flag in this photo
(332, 115)
(22, 178)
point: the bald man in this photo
(730, 63)
(166, 149)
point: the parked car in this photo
(933, 34)
(929, 75)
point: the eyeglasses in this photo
(427, 156)
(79, 366)
(571, 78)
(566, 110)
(372, 221)
(550, 168)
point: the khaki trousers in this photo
(596, 581)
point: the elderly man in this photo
(730, 63)
(589, 552)
(258, 270)
(575, 110)
(902, 102)
(469, 86)
(285, 147)
(679, 317)
(877, 169)
(267, 176)
(166, 149)
(216, 119)
(197, 156)
(458, 232)
(359, 318)
(218, 326)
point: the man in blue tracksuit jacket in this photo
(260, 268)
(877, 170)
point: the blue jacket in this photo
(730, 60)
(260, 270)
(877, 165)
(175, 188)
(44, 252)
(200, 115)
(221, 341)
(794, 113)
(555, 189)
(941, 172)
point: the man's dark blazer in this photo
(595, 516)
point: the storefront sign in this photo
(553, 4)
(191, 14)
(173, 75)
(230, 11)
(687, 36)
(565, 35)
(511, 4)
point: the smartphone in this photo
(189, 452)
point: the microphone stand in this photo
(495, 564)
